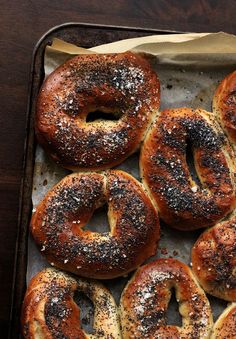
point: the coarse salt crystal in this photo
(194, 189)
(147, 295)
(55, 300)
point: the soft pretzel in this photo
(49, 310)
(214, 260)
(145, 300)
(164, 169)
(57, 225)
(122, 84)
(225, 326)
(224, 105)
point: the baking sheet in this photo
(189, 67)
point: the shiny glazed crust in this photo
(145, 299)
(225, 326)
(182, 203)
(49, 310)
(214, 260)
(123, 84)
(224, 105)
(57, 225)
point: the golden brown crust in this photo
(49, 310)
(225, 326)
(124, 84)
(224, 105)
(181, 202)
(57, 225)
(214, 260)
(145, 299)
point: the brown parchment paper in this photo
(189, 67)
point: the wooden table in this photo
(22, 24)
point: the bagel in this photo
(224, 105)
(49, 310)
(214, 260)
(182, 203)
(122, 84)
(57, 225)
(225, 326)
(145, 300)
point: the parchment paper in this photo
(189, 67)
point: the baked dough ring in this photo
(123, 84)
(134, 225)
(165, 173)
(225, 326)
(224, 105)
(214, 260)
(145, 299)
(49, 310)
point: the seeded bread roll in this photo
(145, 300)
(122, 84)
(224, 105)
(49, 310)
(225, 326)
(57, 225)
(182, 203)
(214, 260)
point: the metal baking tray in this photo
(84, 35)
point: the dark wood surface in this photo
(21, 25)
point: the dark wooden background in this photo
(22, 23)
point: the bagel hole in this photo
(86, 311)
(191, 166)
(99, 221)
(218, 305)
(173, 317)
(101, 115)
